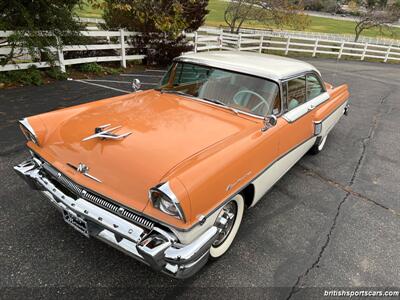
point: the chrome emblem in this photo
(84, 170)
(231, 185)
(103, 133)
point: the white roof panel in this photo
(264, 65)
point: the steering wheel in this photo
(263, 101)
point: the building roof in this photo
(263, 65)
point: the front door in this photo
(303, 94)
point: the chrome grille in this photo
(82, 193)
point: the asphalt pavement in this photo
(332, 221)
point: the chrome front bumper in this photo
(156, 247)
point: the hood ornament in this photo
(84, 170)
(103, 133)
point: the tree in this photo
(278, 12)
(37, 25)
(321, 5)
(161, 23)
(379, 15)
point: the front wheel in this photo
(233, 212)
(319, 145)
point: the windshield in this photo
(240, 91)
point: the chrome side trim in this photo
(306, 107)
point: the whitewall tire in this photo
(224, 241)
(319, 146)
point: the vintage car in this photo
(166, 174)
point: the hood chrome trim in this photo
(103, 133)
(84, 170)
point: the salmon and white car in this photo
(166, 174)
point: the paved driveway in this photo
(332, 221)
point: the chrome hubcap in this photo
(227, 217)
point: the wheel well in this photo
(248, 194)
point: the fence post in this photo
(221, 38)
(341, 50)
(239, 41)
(195, 42)
(60, 55)
(315, 48)
(365, 50)
(387, 53)
(261, 43)
(287, 45)
(122, 41)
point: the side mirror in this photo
(136, 85)
(269, 121)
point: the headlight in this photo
(165, 200)
(28, 131)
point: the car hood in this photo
(166, 129)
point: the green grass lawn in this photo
(85, 10)
(216, 18)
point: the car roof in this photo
(263, 65)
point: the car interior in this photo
(303, 89)
(248, 93)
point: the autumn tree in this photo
(161, 23)
(277, 12)
(38, 25)
(379, 14)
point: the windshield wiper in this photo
(216, 101)
(219, 102)
(166, 91)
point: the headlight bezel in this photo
(163, 198)
(28, 131)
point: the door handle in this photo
(311, 107)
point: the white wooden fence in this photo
(104, 41)
(207, 39)
(315, 35)
(270, 42)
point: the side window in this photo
(296, 94)
(314, 87)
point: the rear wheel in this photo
(233, 212)
(319, 145)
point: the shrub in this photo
(112, 71)
(27, 77)
(56, 73)
(94, 68)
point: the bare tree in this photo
(378, 15)
(277, 12)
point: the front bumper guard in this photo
(156, 247)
